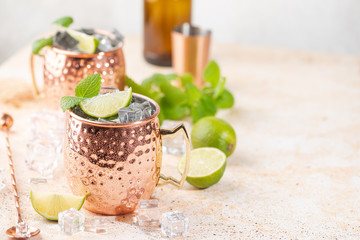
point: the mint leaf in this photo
(186, 78)
(198, 111)
(212, 73)
(209, 105)
(136, 88)
(193, 93)
(205, 106)
(41, 43)
(89, 86)
(219, 87)
(64, 21)
(225, 100)
(68, 102)
(157, 95)
(171, 76)
(173, 112)
(173, 95)
(157, 79)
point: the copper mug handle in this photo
(36, 88)
(166, 133)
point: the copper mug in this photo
(117, 164)
(63, 70)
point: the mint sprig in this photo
(88, 87)
(41, 43)
(177, 102)
(64, 21)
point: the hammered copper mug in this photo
(63, 70)
(117, 164)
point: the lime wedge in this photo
(207, 166)
(87, 43)
(49, 204)
(106, 105)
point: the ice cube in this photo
(104, 47)
(37, 180)
(42, 156)
(177, 144)
(95, 225)
(174, 224)
(147, 109)
(63, 40)
(149, 213)
(118, 37)
(146, 104)
(88, 31)
(137, 106)
(105, 43)
(129, 114)
(135, 99)
(48, 123)
(2, 178)
(103, 120)
(115, 120)
(147, 112)
(22, 230)
(71, 221)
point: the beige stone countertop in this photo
(295, 173)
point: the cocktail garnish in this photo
(88, 87)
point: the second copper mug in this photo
(63, 70)
(117, 164)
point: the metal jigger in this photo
(190, 51)
(21, 230)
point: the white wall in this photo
(315, 25)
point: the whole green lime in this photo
(214, 132)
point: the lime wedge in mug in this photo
(87, 43)
(106, 105)
(49, 204)
(207, 166)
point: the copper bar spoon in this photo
(6, 123)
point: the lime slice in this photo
(87, 43)
(106, 105)
(207, 166)
(49, 204)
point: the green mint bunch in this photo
(43, 42)
(88, 87)
(178, 102)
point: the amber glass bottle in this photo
(160, 17)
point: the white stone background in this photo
(310, 25)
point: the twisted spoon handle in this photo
(12, 173)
